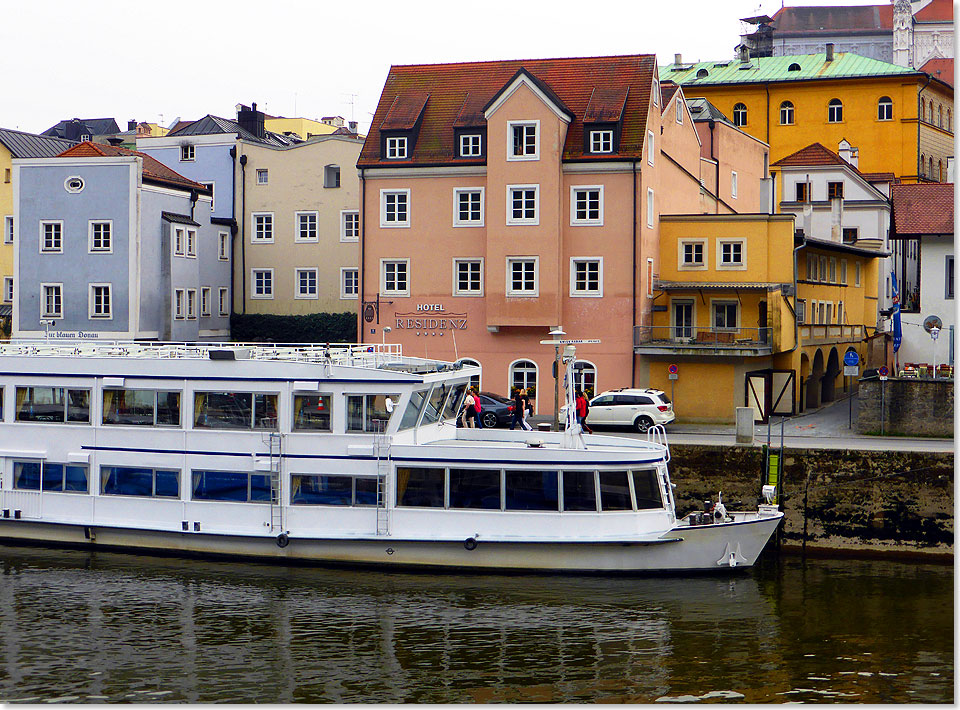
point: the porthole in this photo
(73, 184)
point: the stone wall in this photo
(891, 502)
(911, 407)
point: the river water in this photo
(104, 627)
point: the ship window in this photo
(477, 489)
(646, 488)
(234, 410)
(531, 490)
(53, 404)
(134, 481)
(369, 412)
(579, 491)
(311, 412)
(420, 487)
(54, 477)
(141, 408)
(615, 491)
(449, 411)
(431, 413)
(332, 490)
(231, 486)
(412, 412)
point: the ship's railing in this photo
(355, 355)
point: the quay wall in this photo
(843, 501)
(910, 407)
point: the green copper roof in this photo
(766, 69)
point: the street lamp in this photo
(934, 332)
(46, 327)
(557, 334)
(383, 334)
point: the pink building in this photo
(501, 200)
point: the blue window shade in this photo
(474, 489)
(322, 490)
(52, 477)
(231, 486)
(26, 475)
(531, 490)
(75, 479)
(168, 484)
(135, 481)
(260, 488)
(421, 487)
(366, 493)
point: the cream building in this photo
(298, 210)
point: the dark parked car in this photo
(495, 410)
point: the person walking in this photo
(469, 410)
(583, 408)
(527, 411)
(519, 407)
(478, 406)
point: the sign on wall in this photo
(430, 319)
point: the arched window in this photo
(923, 111)
(793, 67)
(940, 116)
(949, 121)
(585, 377)
(739, 115)
(922, 165)
(835, 111)
(931, 112)
(702, 74)
(930, 170)
(523, 375)
(786, 113)
(940, 171)
(475, 380)
(884, 109)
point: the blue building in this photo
(111, 243)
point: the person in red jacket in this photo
(583, 408)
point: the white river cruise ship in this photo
(336, 454)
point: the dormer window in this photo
(793, 67)
(396, 147)
(524, 141)
(601, 141)
(471, 145)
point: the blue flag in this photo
(897, 334)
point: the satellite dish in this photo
(931, 322)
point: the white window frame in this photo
(599, 139)
(650, 207)
(344, 214)
(396, 147)
(213, 187)
(535, 220)
(9, 229)
(298, 292)
(835, 109)
(857, 272)
(532, 293)
(682, 265)
(43, 300)
(833, 269)
(223, 294)
(188, 152)
(90, 236)
(787, 110)
(383, 277)
(298, 226)
(191, 304)
(458, 192)
(206, 296)
(651, 147)
(574, 221)
(59, 248)
(731, 266)
(253, 284)
(679, 110)
(223, 247)
(8, 289)
(343, 283)
(466, 141)
(536, 150)
(263, 176)
(394, 224)
(714, 302)
(91, 302)
(586, 293)
(733, 184)
(191, 246)
(179, 299)
(457, 291)
(536, 376)
(254, 231)
(179, 240)
(650, 277)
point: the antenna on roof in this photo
(353, 101)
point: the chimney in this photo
(114, 140)
(829, 51)
(353, 126)
(850, 154)
(131, 124)
(744, 53)
(677, 59)
(251, 120)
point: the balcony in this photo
(688, 340)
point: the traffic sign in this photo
(851, 358)
(850, 370)
(884, 371)
(569, 342)
(672, 369)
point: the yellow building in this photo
(896, 116)
(16, 144)
(726, 314)
(303, 127)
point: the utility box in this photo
(745, 425)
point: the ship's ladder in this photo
(276, 494)
(381, 449)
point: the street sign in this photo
(851, 358)
(673, 376)
(850, 370)
(884, 371)
(883, 378)
(569, 342)
(672, 369)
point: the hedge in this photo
(313, 328)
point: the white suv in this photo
(637, 408)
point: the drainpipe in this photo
(243, 232)
(796, 326)
(633, 321)
(363, 240)
(766, 88)
(919, 112)
(716, 163)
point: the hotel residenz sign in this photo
(430, 318)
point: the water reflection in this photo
(126, 628)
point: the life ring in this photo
(283, 540)
(470, 543)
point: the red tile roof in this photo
(836, 20)
(936, 11)
(458, 93)
(814, 154)
(153, 169)
(667, 90)
(944, 66)
(880, 177)
(924, 208)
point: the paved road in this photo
(825, 428)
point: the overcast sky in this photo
(157, 61)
